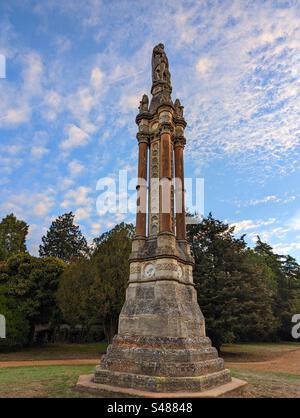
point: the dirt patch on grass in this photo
(276, 377)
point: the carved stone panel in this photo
(154, 190)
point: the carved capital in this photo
(142, 137)
(166, 128)
(179, 141)
(179, 121)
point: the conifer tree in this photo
(64, 240)
(12, 236)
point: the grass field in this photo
(256, 351)
(57, 351)
(256, 363)
(41, 381)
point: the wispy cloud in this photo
(76, 137)
(78, 70)
(249, 224)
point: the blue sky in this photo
(77, 70)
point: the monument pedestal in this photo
(161, 349)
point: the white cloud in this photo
(294, 222)
(75, 168)
(97, 78)
(76, 137)
(9, 164)
(249, 224)
(78, 197)
(286, 248)
(33, 72)
(65, 183)
(284, 200)
(82, 213)
(16, 99)
(17, 115)
(204, 65)
(269, 235)
(271, 198)
(53, 105)
(28, 203)
(13, 149)
(38, 151)
(43, 207)
(96, 228)
(129, 102)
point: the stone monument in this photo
(161, 348)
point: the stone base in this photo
(162, 364)
(234, 388)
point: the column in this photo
(165, 180)
(141, 213)
(179, 189)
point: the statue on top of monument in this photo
(144, 104)
(160, 65)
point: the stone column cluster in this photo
(168, 127)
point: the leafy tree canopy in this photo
(32, 282)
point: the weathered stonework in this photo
(161, 346)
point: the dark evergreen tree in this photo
(286, 282)
(13, 234)
(64, 239)
(110, 256)
(232, 286)
(93, 290)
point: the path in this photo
(287, 363)
(48, 362)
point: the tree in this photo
(17, 327)
(64, 239)
(31, 282)
(74, 295)
(12, 236)
(110, 256)
(92, 290)
(232, 285)
(286, 282)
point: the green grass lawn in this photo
(42, 381)
(256, 351)
(57, 351)
(269, 384)
(59, 381)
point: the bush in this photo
(17, 327)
